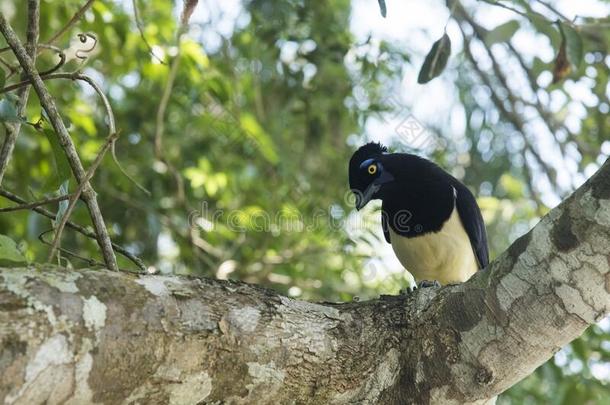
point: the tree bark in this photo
(93, 336)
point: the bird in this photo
(430, 218)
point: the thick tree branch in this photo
(100, 336)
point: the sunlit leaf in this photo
(195, 52)
(61, 162)
(9, 252)
(256, 133)
(573, 44)
(502, 33)
(63, 205)
(436, 60)
(382, 8)
(8, 112)
(512, 186)
(542, 25)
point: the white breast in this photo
(446, 256)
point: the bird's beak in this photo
(363, 198)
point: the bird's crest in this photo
(369, 150)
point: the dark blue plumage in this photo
(428, 215)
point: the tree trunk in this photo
(94, 336)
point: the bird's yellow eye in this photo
(372, 169)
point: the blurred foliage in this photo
(261, 121)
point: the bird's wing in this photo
(470, 214)
(385, 226)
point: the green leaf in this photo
(8, 112)
(382, 8)
(502, 33)
(61, 162)
(512, 186)
(9, 252)
(542, 24)
(2, 78)
(573, 43)
(261, 138)
(63, 205)
(436, 60)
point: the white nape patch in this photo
(244, 319)
(94, 313)
(53, 352)
(192, 389)
(156, 284)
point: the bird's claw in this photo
(428, 283)
(408, 290)
(421, 284)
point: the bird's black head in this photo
(367, 174)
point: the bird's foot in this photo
(428, 283)
(408, 290)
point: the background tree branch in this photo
(12, 129)
(65, 140)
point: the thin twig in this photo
(160, 127)
(91, 262)
(513, 118)
(31, 205)
(552, 123)
(554, 10)
(13, 129)
(74, 198)
(77, 16)
(62, 58)
(59, 51)
(79, 76)
(499, 74)
(514, 10)
(112, 136)
(24, 83)
(82, 53)
(167, 92)
(82, 230)
(124, 172)
(64, 139)
(136, 15)
(189, 7)
(10, 67)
